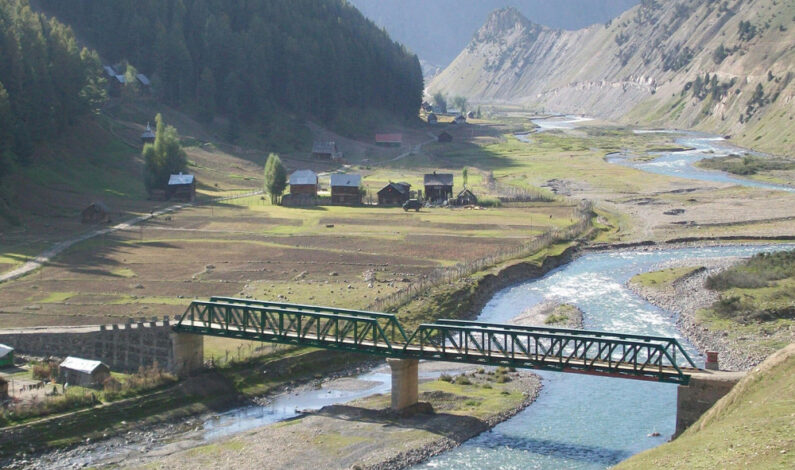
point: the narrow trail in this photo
(60, 247)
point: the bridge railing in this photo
(389, 323)
(286, 326)
(541, 350)
(672, 346)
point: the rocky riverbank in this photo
(550, 313)
(365, 433)
(685, 296)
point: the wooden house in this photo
(326, 151)
(148, 136)
(6, 356)
(96, 213)
(181, 188)
(394, 194)
(389, 140)
(466, 198)
(438, 186)
(460, 119)
(445, 137)
(83, 372)
(345, 189)
(303, 182)
(432, 119)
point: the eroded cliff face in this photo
(686, 63)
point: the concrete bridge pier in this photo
(703, 391)
(405, 379)
(188, 353)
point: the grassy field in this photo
(751, 427)
(663, 278)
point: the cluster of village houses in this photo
(72, 371)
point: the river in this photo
(584, 422)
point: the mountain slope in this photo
(647, 66)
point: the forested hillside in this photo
(251, 60)
(46, 81)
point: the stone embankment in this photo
(684, 297)
(128, 346)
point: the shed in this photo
(432, 119)
(96, 213)
(84, 372)
(181, 187)
(394, 194)
(148, 136)
(6, 356)
(303, 182)
(326, 151)
(345, 189)
(460, 119)
(445, 137)
(466, 198)
(438, 186)
(389, 140)
(471, 115)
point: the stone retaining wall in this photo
(127, 346)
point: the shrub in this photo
(462, 380)
(44, 371)
(446, 378)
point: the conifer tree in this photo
(275, 178)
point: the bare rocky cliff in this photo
(720, 66)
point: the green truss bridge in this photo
(628, 356)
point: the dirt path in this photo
(60, 247)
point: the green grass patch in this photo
(664, 277)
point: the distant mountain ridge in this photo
(719, 66)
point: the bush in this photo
(755, 273)
(446, 378)
(462, 380)
(44, 371)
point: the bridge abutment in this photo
(703, 391)
(405, 380)
(188, 353)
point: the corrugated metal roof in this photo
(339, 179)
(389, 138)
(148, 133)
(324, 147)
(180, 179)
(438, 179)
(82, 365)
(143, 79)
(121, 79)
(109, 70)
(401, 188)
(303, 177)
(5, 350)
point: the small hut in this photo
(326, 151)
(84, 372)
(181, 188)
(389, 140)
(445, 137)
(148, 137)
(438, 186)
(345, 189)
(303, 182)
(432, 119)
(466, 198)
(96, 213)
(6, 356)
(394, 194)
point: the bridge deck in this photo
(587, 352)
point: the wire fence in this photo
(453, 273)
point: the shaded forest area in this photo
(46, 81)
(249, 61)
